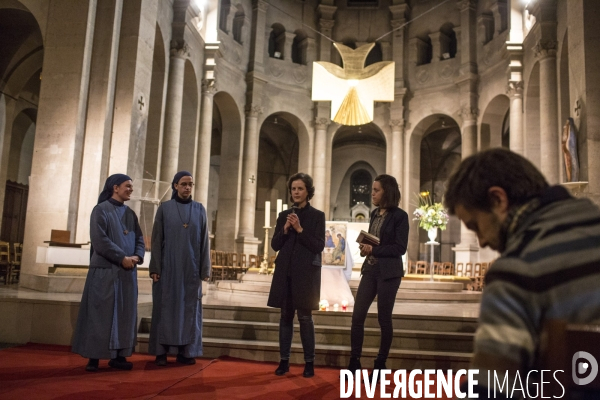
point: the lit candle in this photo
(335, 307)
(284, 207)
(279, 205)
(267, 213)
(344, 305)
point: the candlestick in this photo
(279, 206)
(344, 305)
(267, 213)
(284, 207)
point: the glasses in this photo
(185, 184)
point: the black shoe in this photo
(309, 369)
(378, 365)
(354, 364)
(184, 360)
(92, 365)
(120, 363)
(284, 366)
(161, 360)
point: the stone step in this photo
(340, 335)
(325, 355)
(430, 323)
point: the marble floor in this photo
(216, 297)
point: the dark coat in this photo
(393, 240)
(299, 257)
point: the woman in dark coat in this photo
(300, 238)
(382, 269)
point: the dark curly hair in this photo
(391, 192)
(469, 185)
(308, 182)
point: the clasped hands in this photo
(292, 222)
(130, 262)
(365, 250)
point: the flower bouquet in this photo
(430, 215)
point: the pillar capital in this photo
(466, 5)
(209, 86)
(545, 49)
(179, 49)
(515, 88)
(261, 5)
(322, 123)
(326, 24)
(469, 114)
(397, 124)
(254, 111)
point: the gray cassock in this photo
(107, 320)
(181, 256)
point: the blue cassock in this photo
(181, 256)
(107, 321)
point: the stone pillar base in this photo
(465, 253)
(247, 245)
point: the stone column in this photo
(54, 183)
(549, 130)
(436, 46)
(173, 101)
(397, 170)
(204, 143)
(320, 163)
(289, 41)
(100, 111)
(515, 93)
(246, 239)
(258, 38)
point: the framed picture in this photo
(334, 253)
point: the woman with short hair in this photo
(299, 238)
(382, 269)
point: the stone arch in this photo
(224, 15)
(21, 146)
(350, 145)
(189, 120)
(277, 41)
(493, 122)
(532, 116)
(341, 208)
(434, 124)
(224, 177)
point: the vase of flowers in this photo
(431, 216)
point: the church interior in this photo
(224, 89)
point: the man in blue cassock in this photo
(107, 321)
(180, 260)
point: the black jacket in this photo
(393, 240)
(299, 257)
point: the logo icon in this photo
(579, 367)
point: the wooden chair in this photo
(469, 269)
(243, 263)
(421, 267)
(15, 269)
(253, 261)
(447, 268)
(437, 268)
(460, 269)
(410, 267)
(559, 342)
(235, 265)
(272, 264)
(218, 271)
(5, 262)
(480, 277)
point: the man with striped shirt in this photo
(549, 268)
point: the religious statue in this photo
(569, 147)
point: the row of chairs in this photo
(10, 264)
(475, 271)
(227, 265)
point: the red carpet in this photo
(36, 371)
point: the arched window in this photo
(360, 188)
(238, 23)
(424, 50)
(224, 14)
(277, 41)
(299, 46)
(448, 45)
(374, 56)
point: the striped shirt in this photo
(550, 270)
